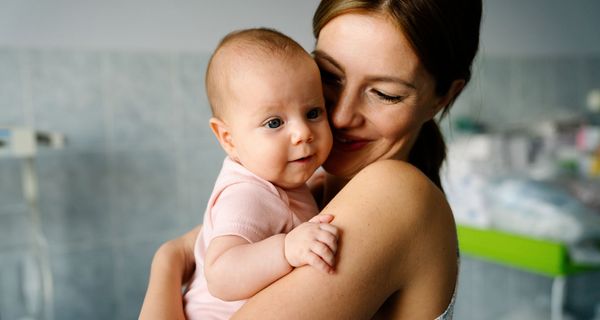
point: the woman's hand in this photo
(172, 267)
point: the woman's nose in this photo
(344, 111)
(301, 132)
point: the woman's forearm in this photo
(172, 266)
(163, 296)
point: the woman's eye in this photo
(314, 113)
(388, 98)
(274, 123)
(329, 78)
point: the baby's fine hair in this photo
(248, 45)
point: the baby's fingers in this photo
(324, 252)
(329, 239)
(316, 261)
(329, 228)
(321, 218)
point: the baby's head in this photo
(268, 109)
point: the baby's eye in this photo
(274, 123)
(314, 113)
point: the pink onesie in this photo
(245, 205)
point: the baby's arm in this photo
(236, 269)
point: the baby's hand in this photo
(314, 243)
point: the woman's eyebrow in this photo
(392, 79)
(322, 55)
(383, 78)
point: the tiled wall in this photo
(137, 170)
(513, 92)
(140, 164)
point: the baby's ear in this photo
(223, 134)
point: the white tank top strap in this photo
(449, 313)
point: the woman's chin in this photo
(341, 166)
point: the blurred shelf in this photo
(533, 255)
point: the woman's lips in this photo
(349, 143)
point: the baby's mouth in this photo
(303, 159)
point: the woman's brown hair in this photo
(445, 36)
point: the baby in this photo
(261, 220)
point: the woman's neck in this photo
(332, 186)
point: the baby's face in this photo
(277, 120)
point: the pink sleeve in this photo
(250, 211)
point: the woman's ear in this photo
(223, 134)
(455, 88)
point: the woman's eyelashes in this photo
(332, 84)
(330, 79)
(386, 97)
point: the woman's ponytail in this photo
(429, 151)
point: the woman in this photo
(388, 67)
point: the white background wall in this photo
(511, 27)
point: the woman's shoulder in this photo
(415, 224)
(399, 183)
(394, 172)
(392, 195)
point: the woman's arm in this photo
(172, 266)
(397, 243)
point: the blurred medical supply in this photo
(542, 181)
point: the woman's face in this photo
(377, 92)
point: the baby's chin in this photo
(289, 184)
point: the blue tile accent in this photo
(12, 301)
(203, 164)
(132, 268)
(140, 100)
(11, 88)
(15, 227)
(143, 193)
(84, 283)
(10, 183)
(496, 94)
(191, 95)
(568, 82)
(66, 93)
(74, 196)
